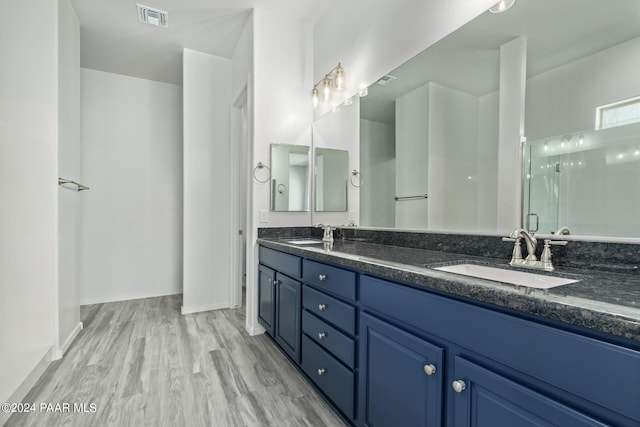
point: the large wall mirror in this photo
(289, 178)
(563, 74)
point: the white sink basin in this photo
(304, 242)
(532, 280)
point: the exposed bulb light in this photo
(333, 80)
(501, 6)
(339, 77)
(326, 89)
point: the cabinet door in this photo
(400, 380)
(288, 323)
(266, 298)
(483, 398)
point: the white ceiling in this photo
(558, 32)
(113, 40)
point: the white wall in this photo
(28, 190)
(340, 130)
(513, 70)
(282, 113)
(131, 241)
(412, 158)
(68, 167)
(378, 168)
(372, 37)
(207, 180)
(242, 59)
(487, 163)
(452, 163)
(564, 99)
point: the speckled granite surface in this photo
(601, 301)
(612, 257)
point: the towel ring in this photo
(282, 188)
(360, 181)
(261, 166)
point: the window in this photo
(618, 114)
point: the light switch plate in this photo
(264, 216)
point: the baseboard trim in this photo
(129, 298)
(28, 383)
(254, 330)
(201, 308)
(58, 353)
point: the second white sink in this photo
(532, 280)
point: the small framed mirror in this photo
(290, 178)
(332, 178)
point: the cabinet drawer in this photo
(328, 337)
(336, 312)
(597, 371)
(336, 381)
(290, 265)
(332, 279)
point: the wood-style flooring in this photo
(142, 363)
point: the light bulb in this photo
(339, 77)
(315, 97)
(326, 89)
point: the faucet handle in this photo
(556, 242)
(516, 255)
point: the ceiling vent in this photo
(152, 16)
(386, 80)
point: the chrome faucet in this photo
(532, 243)
(562, 230)
(327, 237)
(529, 239)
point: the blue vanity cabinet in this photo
(288, 308)
(401, 377)
(329, 332)
(280, 299)
(515, 371)
(483, 398)
(266, 298)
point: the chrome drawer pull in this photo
(458, 386)
(276, 282)
(322, 277)
(430, 369)
(321, 335)
(322, 307)
(321, 371)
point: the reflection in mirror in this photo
(331, 171)
(588, 180)
(289, 178)
(449, 122)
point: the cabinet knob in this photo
(322, 307)
(321, 335)
(322, 277)
(321, 371)
(458, 386)
(270, 280)
(430, 369)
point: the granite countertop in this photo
(602, 301)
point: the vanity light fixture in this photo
(333, 80)
(501, 6)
